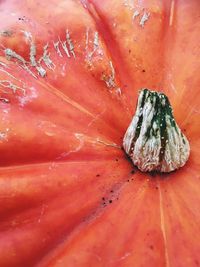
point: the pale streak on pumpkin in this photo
(143, 142)
(162, 225)
(135, 14)
(86, 39)
(96, 118)
(64, 97)
(64, 46)
(70, 43)
(82, 137)
(12, 76)
(95, 44)
(80, 145)
(171, 17)
(3, 64)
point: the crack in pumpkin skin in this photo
(141, 236)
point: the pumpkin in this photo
(70, 72)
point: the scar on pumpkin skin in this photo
(70, 43)
(13, 87)
(153, 140)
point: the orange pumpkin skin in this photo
(68, 194)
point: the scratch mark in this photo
(144, 19)
(107, 144)
(64, 46)
(9, 53)
(56, 46)
(70, 43)
(135, 14)
(96, 118)
(11, 76)
(9, 84)
(46, 58)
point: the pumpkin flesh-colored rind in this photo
(68, 194)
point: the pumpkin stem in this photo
(153, 140)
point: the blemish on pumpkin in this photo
(21, 18)
(95, 45)
(70, 43)
(32, 54)
(4, 100)
(64, 46)
(6, 33)
(9, 53)
(8, 84)
(46, 58)
(135, 14)
(57, 48)
(144, 19)
(3, 136)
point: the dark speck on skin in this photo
(143, 70)
(21, 18)
(97, 175)
(110, 201)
